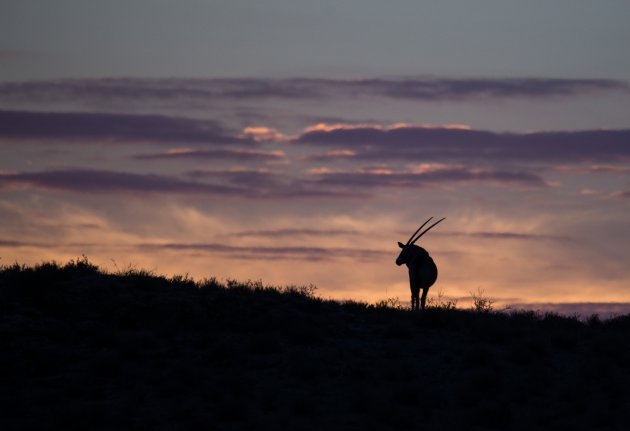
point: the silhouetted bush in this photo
(439, 300)
(481, 303)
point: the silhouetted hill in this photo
(84, 349)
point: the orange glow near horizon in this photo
(342, 280)
(504, 269)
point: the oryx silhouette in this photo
(422, 269)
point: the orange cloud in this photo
(263, 134)
(325, 127)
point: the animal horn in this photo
(426, 230)
(418, 230)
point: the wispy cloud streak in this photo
(226, 183)
(16, 244)
(275, 233)
(402, 179)
(594, 169)
(98, 127)
(507, 236)
(89, 181)
(420, 88)
(241, 252)
(214, 154)
(431, 143)
(289, 252)
(623, 194)
(247, 183)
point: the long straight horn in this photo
(418, 230)
(427, 229)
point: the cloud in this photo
(276, 233)
(331, 155)
(90, 181)
(325, 127)
(444, 143)
(593, 169)
(279, 185)
(91, 127)
(507, 236)
(241, 252)
(623, 194)
(248, 178)
(289, 252)
(588, 192)
(427, 178)
(419, 88)
(227, 183)
(473, 88)
(15, 244)
(214, 154)
(263, 134)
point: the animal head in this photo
(403, 257)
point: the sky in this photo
(296, 142)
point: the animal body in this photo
(422, 269)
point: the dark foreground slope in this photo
(81, 349)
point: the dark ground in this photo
(81, 349)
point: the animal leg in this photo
(424, 297)
(415, 302)
(414, 292)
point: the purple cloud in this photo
(469, 88)
(289, 252)
(508, 236)
(430, 143)
(90, 181)
(242, 183)
(15, 244)
(215, 154)
(429, 178)
(420, 88)
(331, 156)
(89, 127)
(594, 169)
(242, 252)
(274, 184)
(623, 194)
(249, 178)
(275, 233)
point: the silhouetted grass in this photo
(81, 348)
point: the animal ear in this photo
(401, 245)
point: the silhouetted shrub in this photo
(393, 303)
(440, 300)
(307, 290)
(481, 303)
